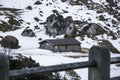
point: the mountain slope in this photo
(87, 11)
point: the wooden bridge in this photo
(98, 66)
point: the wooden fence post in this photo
(101, 56)
(4, 67)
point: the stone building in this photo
(61, 45)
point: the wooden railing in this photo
(98, 66)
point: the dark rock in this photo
(111, 33)
(114, 22)
(5, 26)
(93, 29)
(96, 7)
(36, 27)
(10, 42)
(118, 32)
(37, 3)
(28, 33)
(76, 2)
(111, 2)
(63, 0)
(29, 8)
(36, 19)
(55, 11)
(13, 21)
(12, 24)
(101, 17)
(40, 11)
(40, 39)
(65, 11)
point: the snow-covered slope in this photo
(89, 13)
(78, 12)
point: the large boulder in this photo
(93, 29)
(57, 25)
(11, 25)
(54, 23)
(28, 33)
(4, 26)
(10, 42)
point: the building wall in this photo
(60, 48)
(67, 48)
(74, 48)
(63, 48)
(46, 46)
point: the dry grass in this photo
(73, 75)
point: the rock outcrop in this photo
(28, 33)
(56, 24)
(10, 42)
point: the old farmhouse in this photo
(61, 45)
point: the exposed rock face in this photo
(76, 2)
(97, 7)
(10, 42)
(56, 24)
(93, 29)
(69, 24)
(28, 33)
(37, 3)
(9, 26)
(11, 21)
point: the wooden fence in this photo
(98, 66)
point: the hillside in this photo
(83, 13)
(96, 22)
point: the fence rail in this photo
(115, 60)
(98, 66)
(54, 68)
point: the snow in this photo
(29, 45)
(87, 42)
(116, 43)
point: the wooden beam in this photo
(54, 68)
(101, 56)
(115, 60)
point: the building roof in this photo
(68, 41)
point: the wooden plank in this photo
(54, 68)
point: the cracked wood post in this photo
(4, 67)
(101, 56)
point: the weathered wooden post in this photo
(4, 67)
(101, 56)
